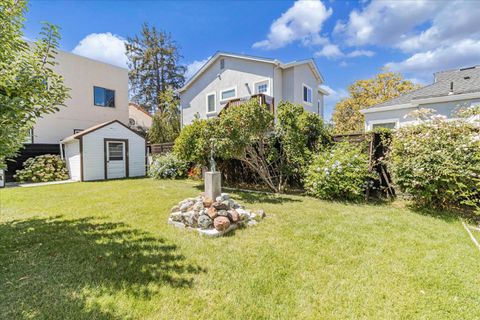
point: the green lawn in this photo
(103, 250)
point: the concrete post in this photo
(213, 187)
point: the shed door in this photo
(116, 160)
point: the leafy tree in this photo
(166, 124)
(154, 67)
(28, 85)
(366, 93)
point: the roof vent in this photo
(451, 88)
(466, 78)
(467, 68)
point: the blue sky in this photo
(349, 40)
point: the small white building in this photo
(109, 150)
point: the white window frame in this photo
(214, 94)
(267, 80)
(311, 94)
(370, 123)
(228, 89)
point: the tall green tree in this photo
(28, 85)
(153, 60)
(364, 94)
(166, 124)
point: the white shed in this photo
(108, 150)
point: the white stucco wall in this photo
(447, 109)
(303, 75)
(81, 75)
(94, 153)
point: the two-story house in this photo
(226, 78)
(450, 91)
(98, 94)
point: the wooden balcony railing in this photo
(267, 101)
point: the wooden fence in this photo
(160, 148)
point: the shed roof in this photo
(95, 128)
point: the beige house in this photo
(99, 93)
(138, 118)
(228, 77)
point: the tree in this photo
(166, 124)
(364, 94)
(28, 85)
(154, 67)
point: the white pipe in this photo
(61, 151)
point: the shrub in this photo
(195, 172)
(168, 166)
(438, 163)
(42, 168)
(339, 173)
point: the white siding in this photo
(72, 158)
(94, 152)
(303, 75)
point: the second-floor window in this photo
(307, 94)
(103, 97)
(211, 102)
(228, 94)
(261, 87)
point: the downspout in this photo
(61, 151)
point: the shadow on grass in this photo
(257, 197)
(445, 214)
(47, 265)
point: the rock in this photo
(175, 208)
(176, 216)
(219, 199)
(204, 222)
(244, 214)
(233, 216)
(192, 221)
(198, 206)
(221, 223)
(212, 212)
(184, 206)
(222, 213)
(207, 202)
(261, 214)
(252, 223)
(220, 206)
(225, 196)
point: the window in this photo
(222, 64)
(103, 97)
(307, 94)
(75, 131)
(261, 87)
(29, 139)
(115, 151)
(387, 125)
(319, 107)
(228, 94)
(211, 103)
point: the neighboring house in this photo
(108, 150)
(451, 90)
(138, 118)
(228, 77)
(99, 93)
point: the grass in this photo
(103, 250)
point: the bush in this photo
(43, 168)
(438, 163)
(168, 166)
(339, 173)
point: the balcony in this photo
(265, 100)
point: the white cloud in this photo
(359, 53)
(105, 47)
(302, 22)
(194, 66)
(332, 99)
(330, 51)
(464, 53)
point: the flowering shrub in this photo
(168, 166)
(43, 168)
(339, 173)
(438, 163)
(195, 172)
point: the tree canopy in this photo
(364, 94)
(29, 87)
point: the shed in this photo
(108, 150)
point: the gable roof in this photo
(95, 128)
(136, 106)
(466, 80)
(276, 62)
